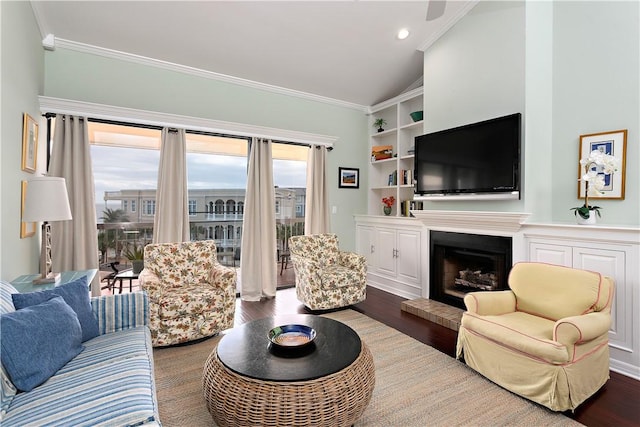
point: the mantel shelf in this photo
(507, 222)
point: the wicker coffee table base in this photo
(338, 399)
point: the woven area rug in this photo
(416, 385)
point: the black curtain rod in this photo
(224, 135)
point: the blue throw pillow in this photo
(76, 294)
(35, 342)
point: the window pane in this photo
(125, 163)
(217, 177)
(290, 179)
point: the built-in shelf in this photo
(399, 134)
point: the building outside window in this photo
(217, 175)
(149, 207)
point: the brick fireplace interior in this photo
(462, 263)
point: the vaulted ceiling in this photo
(343, 51)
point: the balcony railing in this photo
(115, 237)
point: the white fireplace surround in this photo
(508, 224)
(611, 250)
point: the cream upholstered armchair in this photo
(546, 338)
(191, 295)
(327, 277)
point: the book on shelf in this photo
(406, 177)
(393, 178)
(381, 152)
(406, 206)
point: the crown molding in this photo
(447, 26)
(132, 115)
(400, 98)
(143, 60)
(41, 22)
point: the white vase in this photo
(589, 221)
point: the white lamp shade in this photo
(46, 200)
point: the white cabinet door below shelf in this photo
(408, 255)
(551, 254)
(366, 245)
(385, 248)
(610, 263)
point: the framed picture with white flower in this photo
(601, 172)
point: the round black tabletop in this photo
(246, 349)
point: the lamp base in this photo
(49, 278)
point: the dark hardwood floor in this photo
(616, 404)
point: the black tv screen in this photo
(477, 158)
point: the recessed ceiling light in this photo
(403, 34)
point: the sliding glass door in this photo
(125, 166)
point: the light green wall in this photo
(571, 68)
(22, 80)
(476, 72)
(93, 78)
(596, 88)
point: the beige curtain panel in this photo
(316, 220)
(73, 243)
(258, 261)
(171, 221)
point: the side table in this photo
(124, 275)
(24, 283)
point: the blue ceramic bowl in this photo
(292, 336)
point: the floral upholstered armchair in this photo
(327, 277)
(191, 295)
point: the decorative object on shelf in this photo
(348, 177)
(381, 152)
(29, 143)
(27, 229)
(135, 254)
(598, 170)
(388, 202)
(379, 123)
(416, 116)
(614, 144)
(46, 200)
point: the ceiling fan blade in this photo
(435, 9)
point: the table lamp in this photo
(46, 200)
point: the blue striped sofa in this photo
(110, 383)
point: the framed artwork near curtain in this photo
(27, 229)
(613, 143)
(29, 143)
(348, 178)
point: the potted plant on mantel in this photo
(379, 123)
(135, 254)
(596, 166)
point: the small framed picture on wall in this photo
(27, 229)
(613, 143)
(348, 178)
(29, 143)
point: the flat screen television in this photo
(476, 159)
